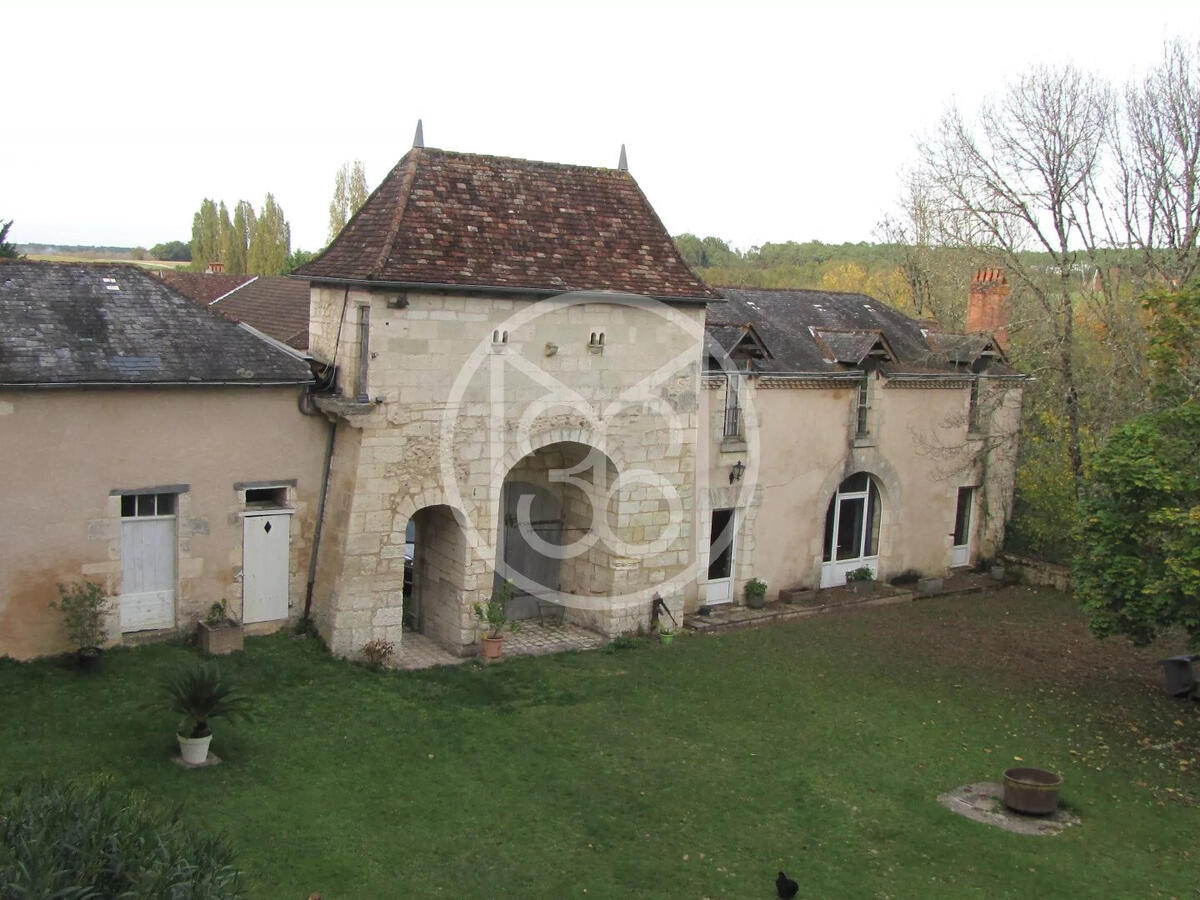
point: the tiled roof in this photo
(852, 347)
(461, 219)
(102, 324)
(276, 305)
(202, 287)
(787, 321)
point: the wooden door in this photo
(266, 547)
(147, 573)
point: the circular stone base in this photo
(212, 760)
(984, 802)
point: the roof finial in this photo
(419, 137)
(623, 163)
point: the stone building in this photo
(531, 385)
(511, 375)
(149, 445)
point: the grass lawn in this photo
(697, 770)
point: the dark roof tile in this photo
(88, 324)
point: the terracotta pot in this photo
(492, 647)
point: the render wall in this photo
(438, 436)
(918, 449)
(62, 453)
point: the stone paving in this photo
(983, 802)
(420, 652)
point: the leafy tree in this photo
(206, 235)
(270, 241)
(244, 221)
(1137, 569)
(297, 259)
(349, 193)
(1174, 352)
(7, 250)
(176, 251)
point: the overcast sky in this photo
(753, 123)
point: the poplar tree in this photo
(206, 235)
(270, 241)
(349, 193)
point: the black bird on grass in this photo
(786, 887)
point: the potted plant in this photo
(84, 606)
(756, 593)
(493, 618)
(860, 580)
(666, 635)
(200, 692)
(219, 632)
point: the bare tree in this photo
(1025, 176)
(1159, 151)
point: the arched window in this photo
(851, 529)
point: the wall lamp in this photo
(735, 473)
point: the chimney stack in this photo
(987, 304)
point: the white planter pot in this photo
(194, 750)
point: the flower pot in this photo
(755, 600)
(491, 647)
(666, 637)
(861, 588)
(194, 750)
(1031, 791)
(218, 640)
(88, 659)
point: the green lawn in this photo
(697, 770)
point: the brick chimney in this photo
(987, 304)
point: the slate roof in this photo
(466, 220)
(788, 323)
(276, 305)
(203, 287)
(63, 324)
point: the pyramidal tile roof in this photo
(467, 220)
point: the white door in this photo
(960, 553)
(851, 531)
(147, 573)
(265, 551)
(718, 588)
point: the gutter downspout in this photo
(312, 563)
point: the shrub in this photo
(84, 607)
(378, 652)
(83, 840)
(493, 615)
(862, 573)
(756, 587)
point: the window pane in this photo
(873, 509)
(827, 548)
(720, 563)
(166, 504)
(962, 515)
(850, 527)
(128, 505)
(145, 504)
(856, 482)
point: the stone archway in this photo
(556, 508)
(437, 569)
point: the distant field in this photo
(106, 258)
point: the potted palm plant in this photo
(200, 692)
(84, 607)
(493, 619)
